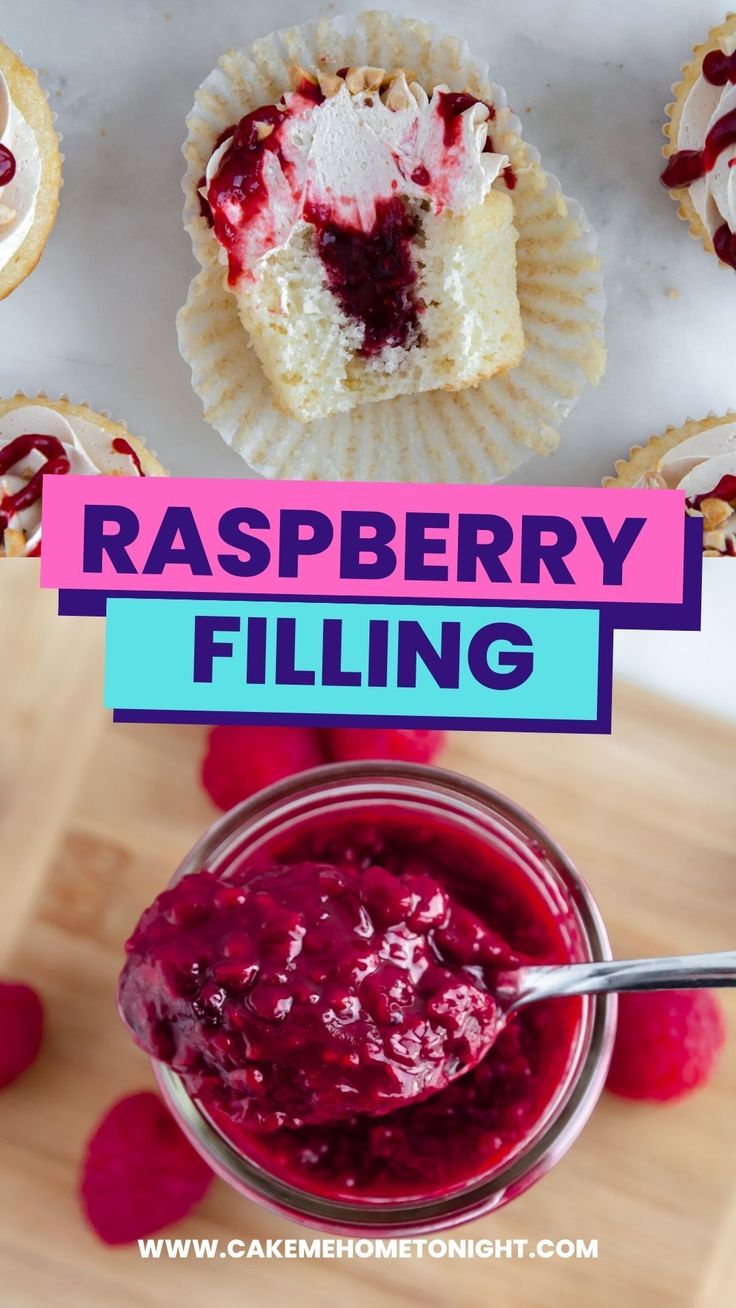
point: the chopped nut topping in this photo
(6, 215)
(419, 93)
(715, 512)
(715, 540)
(398, 94)
(298, 75)
(396, 89)
(364, 79)
(263, 130)
(15, 543)
(329, 84)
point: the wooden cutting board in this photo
(94, 817)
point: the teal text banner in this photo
(416, 664)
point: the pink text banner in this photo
(579, 545)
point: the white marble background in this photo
(590, 79)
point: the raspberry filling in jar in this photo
(399, 1081)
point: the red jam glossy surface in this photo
(719, 68)
(724, 244)
(7, 165)
(309, 992)
(57, 464)
(463, 914)
(121, 446)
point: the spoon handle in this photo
(684, 972)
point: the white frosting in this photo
(18, 198)
(697, 465)
(352, 150)
(714, 195)
(87, 447)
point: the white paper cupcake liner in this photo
(480, 434)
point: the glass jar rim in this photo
(396, 1216)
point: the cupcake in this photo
(41, 438)
(701, 143)
(30, 171)
(699, 459)
(368, 251)
(371, 227)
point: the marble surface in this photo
(590, 81)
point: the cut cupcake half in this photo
(42, 438)
(699, 459)
(369, 237)
(443, 273)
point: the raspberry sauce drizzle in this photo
(7, 165)
(452, 105)
(725, 490)
(122, 446)
(240, 181)
(724, 244)
(719, 68)
(685, 166)
(57, 464)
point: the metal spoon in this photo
(685, 972)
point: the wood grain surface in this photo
(94, 817)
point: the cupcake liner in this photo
(690, 73)
(33, 102)
(645, 458)
(480, 434)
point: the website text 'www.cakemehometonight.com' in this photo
(339, 1248)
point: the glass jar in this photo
(462, 810)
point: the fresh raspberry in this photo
(667, 1043)
(346, 743)
(139, 1173)
(242, 760)
(21, 1029)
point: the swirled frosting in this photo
(18, 198)
(346, 151)
(705, 156)
(704, 467)
(87, 448)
